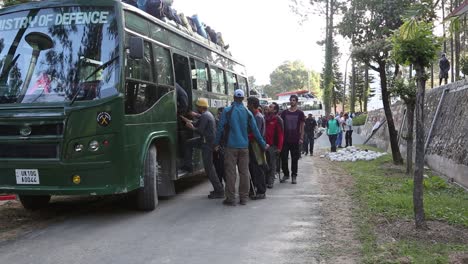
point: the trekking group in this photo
(256, 141)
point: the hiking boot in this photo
(228, 202)
(284, 179)
(216, 195)
(259, 196)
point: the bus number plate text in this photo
(27, 176)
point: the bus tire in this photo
(147, 196)
(34, 202)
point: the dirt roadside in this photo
(339, 242)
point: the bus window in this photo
(199, 75)
(231, 82)
(243, 84)
(163, 64)
(217, 80)
(136, 23)
(140, 91)
(140, 69)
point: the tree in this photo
(406, 90)
(369, 23)
(290, 76)
(414, 43)
(363, 90)
(14, 2)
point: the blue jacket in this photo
(241, 119)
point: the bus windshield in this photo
(58, 55)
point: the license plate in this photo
(30, 176)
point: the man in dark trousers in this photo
(293, 119)
(309, 129)
(256, 169)
(444, 66)
(206, 127)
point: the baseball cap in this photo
(238, 93)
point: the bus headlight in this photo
(78, 147)
(94, 145)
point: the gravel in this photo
(353, 154)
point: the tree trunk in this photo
(457, 55)
(353, 87)
(452, 74)
(366, 88)
(418, 201)
(409, 139)
(328, 74)
(397, 159)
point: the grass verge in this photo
(385, 215)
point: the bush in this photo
(464, 65)
(359, 120)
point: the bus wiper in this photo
(102, 67)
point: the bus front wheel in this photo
(34, 202)
(147, 196)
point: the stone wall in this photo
(447, 152)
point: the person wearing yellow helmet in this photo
(205, 126)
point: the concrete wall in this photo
(447, 152)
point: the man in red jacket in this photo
(274, 136)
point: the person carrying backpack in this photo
(237, 119)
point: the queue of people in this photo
(249, 142)
(336, 125)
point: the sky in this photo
(262, 34)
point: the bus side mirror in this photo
(136, 48)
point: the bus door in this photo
(184, 80)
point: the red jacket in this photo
(274, 134)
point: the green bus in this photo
(88, 102)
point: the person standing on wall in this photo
(205, 126)
(333, 129)
(293, 119)
(444, 66)
(257, 161)
(274, 137)
(234, 124)
(348, 128)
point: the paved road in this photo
(188, 228)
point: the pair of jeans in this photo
(294, 148)
(257, 173)
(237, 157)
(332, 139)
(207, 156)
(272, 157)
(339, 139)
(308, 143)
(349, 138)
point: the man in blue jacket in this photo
(235, 122)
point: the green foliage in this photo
(384, 192)
(406, 89)
(464, 65)
(415, 43)
(291, 76)
(359, 120)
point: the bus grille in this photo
(32, 151)
(36, 130)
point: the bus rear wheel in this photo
(147, 196)
(34, 202)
